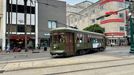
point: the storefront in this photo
(19, 41)
(117, 41)
(116, 38)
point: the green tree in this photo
(95, 28)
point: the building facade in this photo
(15, 26)
(75, 9)
(114, 25)
(1, 18)
(49, 17)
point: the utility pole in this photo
(131, 8)
(8, 26)
(25, 23)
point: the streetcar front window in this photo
(58, 38)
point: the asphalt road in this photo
(125, 66)
(122, 51)
(118, 51)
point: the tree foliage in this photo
(95, 28)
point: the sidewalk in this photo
(14, 66)
(22, 52)
(18, 56)
(29, 50)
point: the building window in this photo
(75, 19)
(122, 28)
(93, 11)
(93, 20)
(80, 17)
(32, 28)
(52, 24)
(20, 9)
(121, 5)
(20, 28)
(101, 7)
(121, 15)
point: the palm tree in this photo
(95, 28)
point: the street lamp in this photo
(8, 36)
(8, 30)
(131, 33)
(25, 21)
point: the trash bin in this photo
(0, 48)
(45, 47)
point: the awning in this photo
(19, 37)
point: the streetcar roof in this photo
(75, 30)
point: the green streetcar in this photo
(69, 42)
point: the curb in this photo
(1, 71)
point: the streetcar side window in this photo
(58, 38)
(79, 38)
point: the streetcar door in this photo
(70, 43)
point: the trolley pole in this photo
(25, 21)
(132, 25)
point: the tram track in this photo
(73, 64)
(53, 66)
(91, 62)
(90, 69)
(35, 59)
(48, 58)
(25, 60)
(93, 68)
(5, 63)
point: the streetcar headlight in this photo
(55, 46)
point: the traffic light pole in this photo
(132, 26)
(111, 13)
(9, 25)
(132, 35)
(25, 22)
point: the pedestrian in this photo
(38, 46)
(0, 48)
(45, 47)
(8, 49)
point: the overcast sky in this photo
(77, 1)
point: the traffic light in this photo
(100, 17)
(127, 0)
(107, 14)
